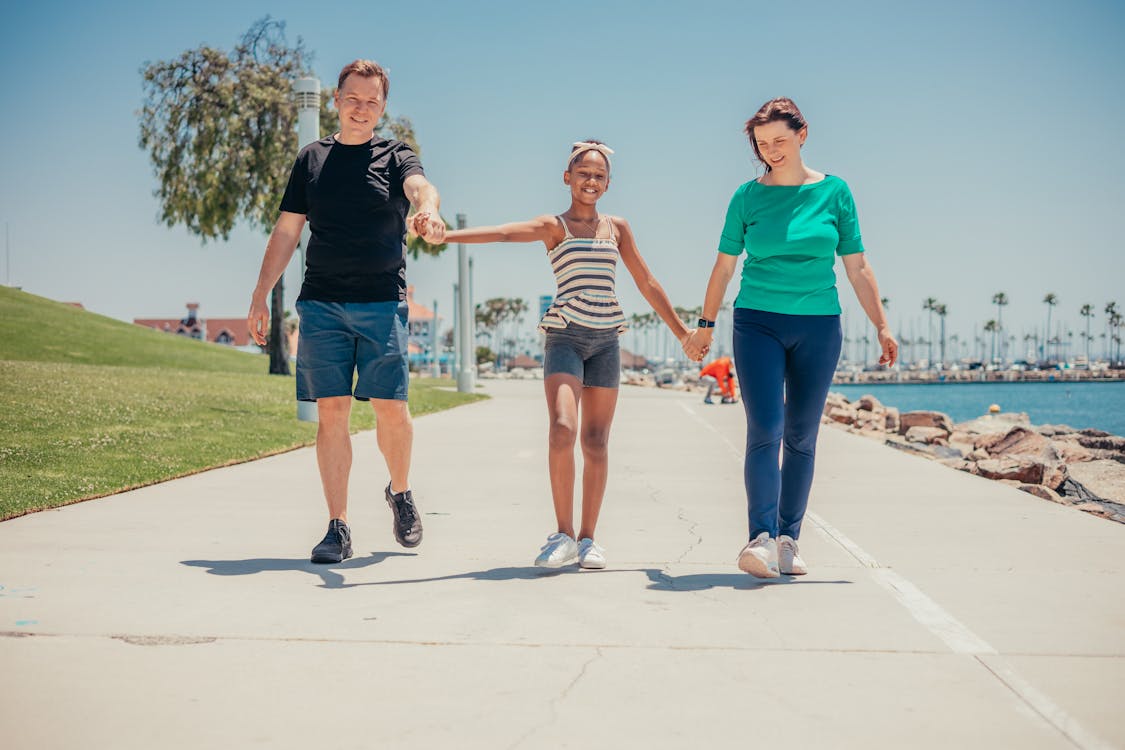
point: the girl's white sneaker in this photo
(559, 550)
(591, 554)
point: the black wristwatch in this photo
(704, 323)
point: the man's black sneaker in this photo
(336, 545)
(408, 524)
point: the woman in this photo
(792, 222)
(582, 357)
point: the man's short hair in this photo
(366, 69)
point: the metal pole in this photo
(455, 366)
(435, 360)
(466, 377)
(307, 91)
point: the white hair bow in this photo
(582, 147)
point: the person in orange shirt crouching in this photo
(718, 372)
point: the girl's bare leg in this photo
(598, 407)
(563, 395)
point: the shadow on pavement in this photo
(661, 581)
(528, 573)
(327, 573)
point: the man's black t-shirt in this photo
(356, 208)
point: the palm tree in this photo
(1050, 301)
(1001, 301)
(955, 340)
(1110, 311)
(928, 306)
(1115, 325)
(1087, 312)
(992, 327)
(940, 309)
(636, 320)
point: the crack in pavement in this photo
(559, 699)
(655, 494)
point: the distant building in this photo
(523, 361)
(630, 361)
(420, 328)
(229, 331)
(236, 331)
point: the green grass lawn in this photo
(93, 406)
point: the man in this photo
(354, 188)
(718, 373)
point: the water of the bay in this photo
(1099, 405)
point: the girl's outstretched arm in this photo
(647, 284)
(543, 229)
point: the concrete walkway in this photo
(942, 610)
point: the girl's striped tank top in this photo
(585, 271)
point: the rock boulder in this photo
(925, 419)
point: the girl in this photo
(582, 359)
(791, 222)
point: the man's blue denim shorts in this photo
(339, 340)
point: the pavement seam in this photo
(185, 640)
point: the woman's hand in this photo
(890, 347)
(697, 343)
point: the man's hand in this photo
(259, 320)
(429, 226)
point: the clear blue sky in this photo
(982, 140)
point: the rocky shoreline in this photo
(1084, 468)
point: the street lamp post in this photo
(466, 375)
(307, 91)
(435, 359)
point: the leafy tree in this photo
(1087, 312)
(1110, 310)
(1050, 301)
(494, 314)
(1000, 299)
(992, 327)
(929, 305)
(220, 130)
(941, 311)
(484, 354)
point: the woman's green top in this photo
(791, 235)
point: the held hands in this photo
(697, 343)
(890, 347)
(428, 226)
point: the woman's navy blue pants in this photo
(785, 365)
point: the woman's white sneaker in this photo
(759, 557)
(789, 557)
(591, 554)
(559, 550)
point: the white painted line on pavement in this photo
(922, 608)
(945, 626)
(1044, 706)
